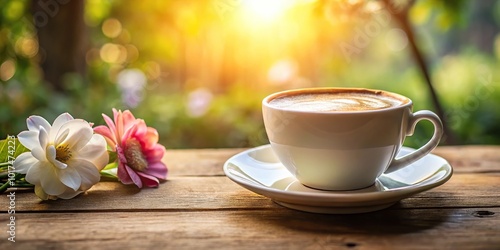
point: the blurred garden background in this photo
(198, 70)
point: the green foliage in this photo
(444, 14)
(10, 148)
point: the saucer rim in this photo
(337, 198)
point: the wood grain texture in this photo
(200, 208)
(198, 162)
(203, 162)
(202, 193)
(260, 229)
(471, 159)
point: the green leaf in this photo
(109, 172)
(10, 148)
(110, 166)
(112, 156)
(108, 176)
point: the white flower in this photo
(65, 158)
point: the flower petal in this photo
(142, 129)
(70, 177)
(131, 131)
(50, 153)
(155, 154)
(158, 170)
(149, 181)
(87, 171)
(122, 174)
(43, 137)
(121, 155)
(119, 124)
(133, 175)
(95, 152)
(51, 183)
(61, 136)
(39, 153)
(24, 162)
(42, 173)
(112, 127)
(34, 173)
(29, 139)
(128, 120)
(104, 131)
(57, 124)
(40, 193)
(79, 135)
(34, 122)
(151, 137)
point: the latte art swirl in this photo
(330, 102)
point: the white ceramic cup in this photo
(344, 150)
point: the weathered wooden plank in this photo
(468, 159)
(176, 193)
(206, 162)
(259, 229)
(197, 162)
(198, 207)
(199, 193)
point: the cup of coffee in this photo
(343, 138)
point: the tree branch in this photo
(402, 17)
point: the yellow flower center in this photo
(63, 154)
(133, 154)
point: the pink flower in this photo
(137, 148)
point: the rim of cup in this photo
(407, 102)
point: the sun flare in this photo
(267, 11)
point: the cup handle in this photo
(414, 118)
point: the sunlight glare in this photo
(262, 10)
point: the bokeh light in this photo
(131, 83)
(7, 70)
(185, 65)
(198, 102)
(396, 39)
(262, 10)
(27, 46)
(282, 72)
(113, 53)
(111, 28)
(132, 52)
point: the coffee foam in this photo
(335, 101)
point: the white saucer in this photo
(260, 171)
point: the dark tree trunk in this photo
(62, 38)
(402, 18)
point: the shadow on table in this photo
(394, 220)
(111, 192)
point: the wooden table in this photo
(200, 208)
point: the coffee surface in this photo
(335, 101)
